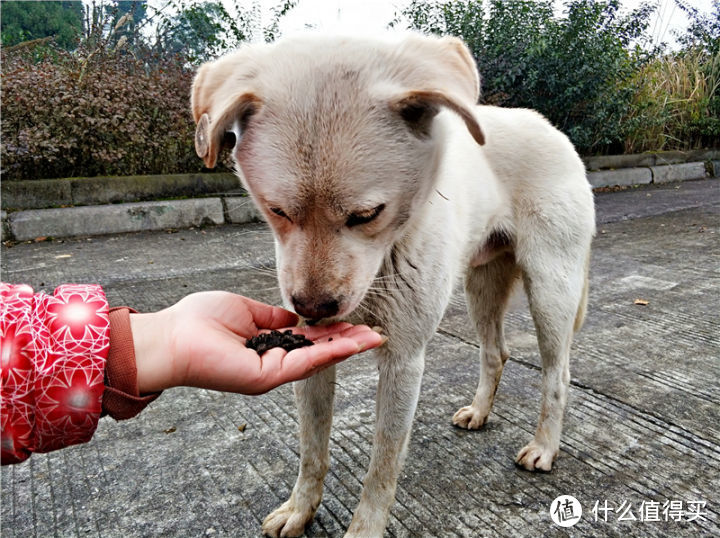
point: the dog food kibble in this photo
(286, 340)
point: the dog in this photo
(385, 184)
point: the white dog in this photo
(384, 183)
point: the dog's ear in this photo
(222, 102)
(440, 72)
(212, 135)
(463, 73)
(418, 108)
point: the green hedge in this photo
(106, 112)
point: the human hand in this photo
(200, 342)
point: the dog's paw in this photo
(536, 457)
(470, 418)
(287, 520)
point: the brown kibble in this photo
(242, 427)
(287, 340)
(641, 302)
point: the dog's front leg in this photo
(314, 397)
(398, 390)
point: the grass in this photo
(672, 108)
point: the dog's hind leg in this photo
(398, 391)
(314, 397)
(555, 290)
(487, 290)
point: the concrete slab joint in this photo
(678, 172)
(715, 168)
(4, 228)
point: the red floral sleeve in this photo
(53, 351)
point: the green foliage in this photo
(202, 30)
(117, 102)
(569, 68)
(676, 96)
(704, 30)
(24, 21)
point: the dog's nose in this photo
(315, 308)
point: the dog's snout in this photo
(316, 308)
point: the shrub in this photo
(119, 102)
(97, 112)
(573, 68)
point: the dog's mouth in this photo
(345, 308)
(321, 321)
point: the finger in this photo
(339, 348)
(347, 332)
(278, 366)
(267, 316)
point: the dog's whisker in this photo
(257, 268)
(382, 288)
(265, 270)
(370, 312)
(391, 276)
(254, 290)
(256, 232)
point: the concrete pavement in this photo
(642, 428)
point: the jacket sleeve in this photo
(53, 350)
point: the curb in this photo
(112, 218)
(53, 193)
(121, 218)
(625, 177)
(640, 160)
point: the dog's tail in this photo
(582, 307)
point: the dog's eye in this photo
(279, 212)
(363, 217)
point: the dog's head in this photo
(337, 143)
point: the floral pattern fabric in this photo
(52, 358)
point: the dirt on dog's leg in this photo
(398, 391)
(487, 289)
(314, 397)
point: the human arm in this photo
(53, 350)
(200, 342)
(66, 359)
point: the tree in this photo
(199, 31)
(24, 21)
(704, 29)
(570, 68)
(135, 13)
(202, 30)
